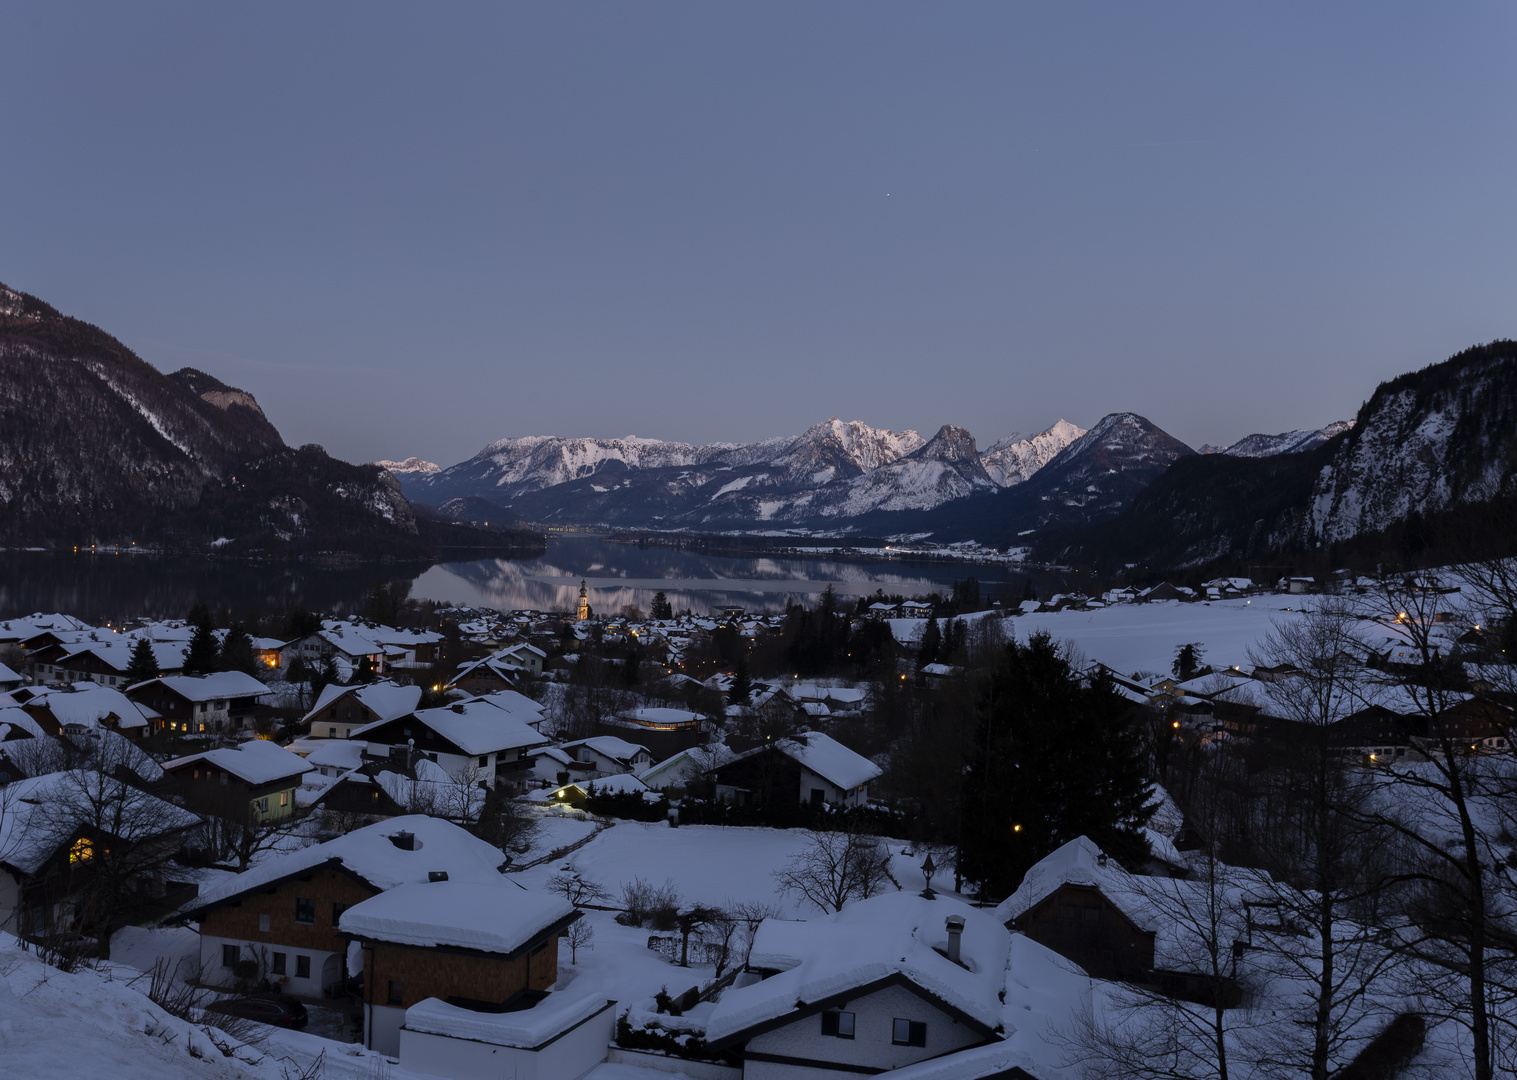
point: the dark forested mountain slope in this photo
(1429, 443)
(98, 446)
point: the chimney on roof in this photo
(1101, 859)
(458, 706)
(406, 841)
(955, 936)
(437, 875)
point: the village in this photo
(734, 844)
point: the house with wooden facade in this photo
(279, 920)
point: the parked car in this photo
(281, 1010)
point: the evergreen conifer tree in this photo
(143, 665)
(237, 653)
(1055, 758)
(661, 608)
(204, 655)
(742, 686)
(932, 644)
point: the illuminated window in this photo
(284, 798)
(82, 851)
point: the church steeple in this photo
(583, 612)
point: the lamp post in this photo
(928, 869)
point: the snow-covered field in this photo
(708, 864)
(1144, 637)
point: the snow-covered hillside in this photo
(1425, 442)
(1287, 442)
(1015, 458)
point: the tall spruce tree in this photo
(142, 665)
(932, 644)
(1055, 758)
(237, 652)
(742, 685)
(204, 655)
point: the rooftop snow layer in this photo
(494, 917)
(372, 855)
(256, 761)
(529, 1028)
(891, 934)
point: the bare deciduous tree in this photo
(580, 935)
(834, 868)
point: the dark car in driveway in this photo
(280, 1010)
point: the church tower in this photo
(583, 612)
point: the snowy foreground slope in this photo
(90, 1024)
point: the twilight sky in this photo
(411, 229)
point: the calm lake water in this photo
(102, 587)
(622, 574)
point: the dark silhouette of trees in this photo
(143, 665)
(1055, 757)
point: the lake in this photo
(109, 586)
(621, 574)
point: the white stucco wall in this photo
(212, 971)
(568, 1057)
(871, 1045)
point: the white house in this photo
(609, 755)
(809, 767)
(283, 914)
(476, 736)
(458, 977)
(884, 984)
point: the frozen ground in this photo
(709, 864)
(1144, 637)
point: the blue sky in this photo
(411, 229)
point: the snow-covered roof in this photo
(826, 757)
(98, 748)
(256, 761)
(44, 811)
(1078, 862)
(892, 934)
(610, 746)
(475, 726)
(660, 715)
(385, 699)
(221, 684)
(372, 854)
(90, 704)
(498, 916)
(528, 1028)
(335, 753)
(620, 784)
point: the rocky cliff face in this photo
(1429, 444)
(98, 446)
(1425, 442)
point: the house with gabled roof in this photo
(220, 703)
(609, 755)
(458, 977)
(253, 782)
(341, 710)
(489, 738)
(58, 824)
(808, 767)
(87, 705)
(281, 917)
(884, 984)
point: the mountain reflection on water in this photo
(101, 587)
(623, 574)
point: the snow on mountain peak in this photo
(1015, 458)
(409, 465)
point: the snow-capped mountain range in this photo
(838, 476)
(834, 471)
